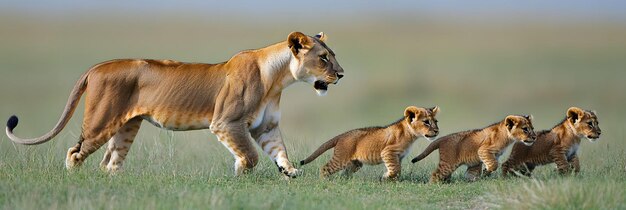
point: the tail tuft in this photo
(12, 123)
(302, 162)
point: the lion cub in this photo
(475, 147)
(375, 145)
(558, 145)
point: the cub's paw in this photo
(388, 178)
(486, 173)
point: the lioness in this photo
(477, 147)
(375, 145)
(557, 145)
(237, 99)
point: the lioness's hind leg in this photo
(119, 145)
(92, 138)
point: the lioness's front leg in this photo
(236, 138)
(269, 138)
(272, 144)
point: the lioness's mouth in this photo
(320, 85)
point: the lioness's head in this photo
(313, 62)
(422, 121)
(583, 123)
(521, 128)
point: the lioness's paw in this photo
(291, 172)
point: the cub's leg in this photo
(526, 169)
(339, 161)
(442, 173)
(473, 172)
(352, 168)
(558, 156)
(488, 158)
(119, 145)
(237, 140)
(575, 164)
(391, 158)
(510, 166)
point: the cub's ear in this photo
(322, 37)
(574, 114)
(529, 117)
(434, 110)
(298, 41)
(411, 113)
(511, 121)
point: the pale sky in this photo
(612, 10)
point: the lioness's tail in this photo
(431, 147)
(72, 102)
(326, 146)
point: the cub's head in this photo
(583, 123)
(422, 121)
(313, 62)
(521, 128)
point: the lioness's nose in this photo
(339, 76)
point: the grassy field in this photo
(477, 73)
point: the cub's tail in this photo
(326, 146)
(431, 147)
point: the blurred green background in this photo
(478, 61)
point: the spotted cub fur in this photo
(375, 145)
(557, 145)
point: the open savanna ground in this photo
(477, 73)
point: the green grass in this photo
(195, 173)
(476, 73)
(562, 193)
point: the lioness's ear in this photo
(298, 41)
(574, 114)
(434, 110)
(511, 121)
(321, 36)
(411, 112)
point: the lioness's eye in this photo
(590, 124)
(525, 130)
(426, 122)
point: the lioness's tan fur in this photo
(237, 99)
